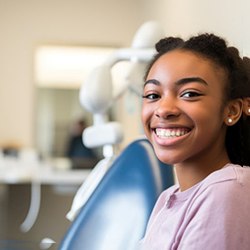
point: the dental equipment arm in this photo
(98, 94)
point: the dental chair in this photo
(116, 214)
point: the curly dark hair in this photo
(215, 48)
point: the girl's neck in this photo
(190, 173)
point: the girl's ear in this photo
(233, 111)
(246, 106)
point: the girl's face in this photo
(183, 108)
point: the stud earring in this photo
(230, 120)
(248, 110)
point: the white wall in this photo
(27, 23)
(227, 18)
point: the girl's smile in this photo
(171, 132)
(171, 135)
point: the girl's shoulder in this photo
(227, 183)
(229, 173)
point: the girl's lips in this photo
(170, 136)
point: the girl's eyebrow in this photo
(191, 79)
(152, 81)
(181, 81)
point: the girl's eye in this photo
(151, 96)
(190, 94)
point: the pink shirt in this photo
(214, 214)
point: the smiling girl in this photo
(192, 115)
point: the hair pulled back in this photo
(237, 71)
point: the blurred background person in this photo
(79, 154)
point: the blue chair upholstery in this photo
(116, 215)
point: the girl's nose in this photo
(167, 108)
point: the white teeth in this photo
(170, 133)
